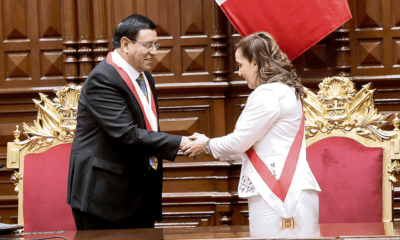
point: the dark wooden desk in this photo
(326, 231)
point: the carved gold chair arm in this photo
(394, 168)
(15, 178)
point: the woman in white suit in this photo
(269, 138)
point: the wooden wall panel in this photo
(120, 9)
(14, 27)
(373, 33)
(51, 65)
(31, 48)
(185, 120)
(49, 13)
(160, 12)
(192, 21)
(31, 60)
(368, 14)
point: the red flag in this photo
(296, 24)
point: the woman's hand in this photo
(196, 148)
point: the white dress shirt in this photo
(269, 123)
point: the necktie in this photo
(142, 85)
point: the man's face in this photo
(139, 56)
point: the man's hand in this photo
(184, 142)
(196, 148)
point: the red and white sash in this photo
(128, 81)
(279, 187)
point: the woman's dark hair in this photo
(272, 64)
(130, 27)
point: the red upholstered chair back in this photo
(350, 177)
(351, 156)
(42, 163)
(45, 191)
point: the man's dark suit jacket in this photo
(110, 153)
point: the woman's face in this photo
(247, 69)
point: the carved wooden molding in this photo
(70, 42)
(100, 31)
(245, 213)
(191, 219)
(85, 39)
(225, 215)
(343, 64)
(218, 46)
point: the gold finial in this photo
(396, 122)
(17, 133)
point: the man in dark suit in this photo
(115, 173)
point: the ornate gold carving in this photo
(338, 105)
(394, 170)
(67, 103)
(15, 178)
(13, 155)
(56, 119)
(396, 123)
(17, 133)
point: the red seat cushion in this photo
(350, 177)
(45, 190)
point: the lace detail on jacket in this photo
(246, 186)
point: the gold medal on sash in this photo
(287, 223)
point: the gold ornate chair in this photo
(42, 161)
(354, 160)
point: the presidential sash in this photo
(128, 82)
(279, 187)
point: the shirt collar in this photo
(117, 59)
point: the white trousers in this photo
(265, 222)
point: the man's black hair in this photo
(130, 27)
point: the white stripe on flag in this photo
(220, 2)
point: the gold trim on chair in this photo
(55, 124)
(55, 119)
(337, 105)
(338, 110)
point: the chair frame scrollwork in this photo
(55, 124)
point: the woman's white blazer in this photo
(269, 124)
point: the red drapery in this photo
(296, 24)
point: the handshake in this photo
(194, 146)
